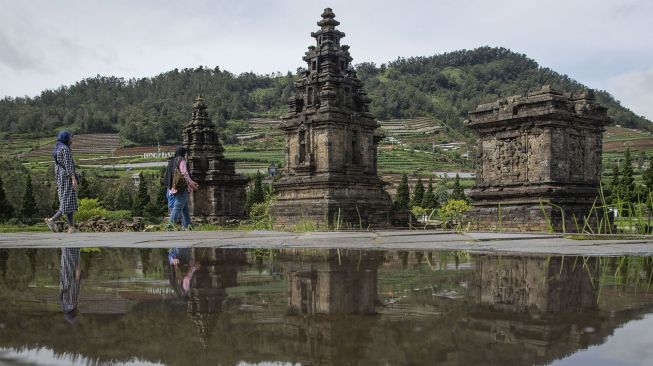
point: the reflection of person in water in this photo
(178, 258)
(70, 281)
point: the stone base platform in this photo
(334, 202)
(543, 218)
(473, 242)
(566, 208)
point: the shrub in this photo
(453, 210)
(260, 214)
(90, 207)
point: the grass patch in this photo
(37, 228)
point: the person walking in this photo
(66, 177)
(180, 185)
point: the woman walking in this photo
(180, 185)
(64, 171)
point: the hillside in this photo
(149, 110)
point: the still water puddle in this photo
(321, 307)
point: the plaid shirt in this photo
(67, 194)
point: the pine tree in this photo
(615, 184)
(256, 193)
(647, 188)
(403, 193)
(429, 198)
(142, 197)
(627, 180)
(457, 193)
(641, 158)
(29, 210)
(441, 194)
(647, 176)
(83, 189)
(6, 209)
(158, 207)
(418, 193)
(161, 200)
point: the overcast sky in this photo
(604, 44)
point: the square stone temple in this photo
(539, 156)
(221, 193)
(330, 173)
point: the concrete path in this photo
(405, 240)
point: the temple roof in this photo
(199, 103)
(328, 22)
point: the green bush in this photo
(90, 207)
(260, 214)
(453, 210)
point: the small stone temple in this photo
(539, 160)
(221, 193)
(330, 174)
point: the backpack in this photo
(178, 180)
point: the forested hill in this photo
(154, 109)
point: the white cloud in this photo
(45, 44)
(635, 90)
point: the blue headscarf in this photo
(63, 139)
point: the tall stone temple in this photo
(539, 162)
(221, 193)
(330, 175)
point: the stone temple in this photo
(539, 160)
(221, 193)
(330, 175)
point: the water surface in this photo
(322, 307)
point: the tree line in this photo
(625, 193)
(148, 110)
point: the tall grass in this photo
(634, 217)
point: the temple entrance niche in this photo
(539, 162)
(330, 175)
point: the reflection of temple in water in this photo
(521, 283)
(218, 270)
(533, 310)
(332, 283)
(327, 291)
(512, 310)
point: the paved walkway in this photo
(408, 240)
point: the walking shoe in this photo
(72, 230)
(51, 225)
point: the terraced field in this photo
(19, 146)
(619, 139)
(85, 146)
(412, 126)
(394, 160)
(140, 150)
(259, 128)
(264, 123)
(260, 156)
